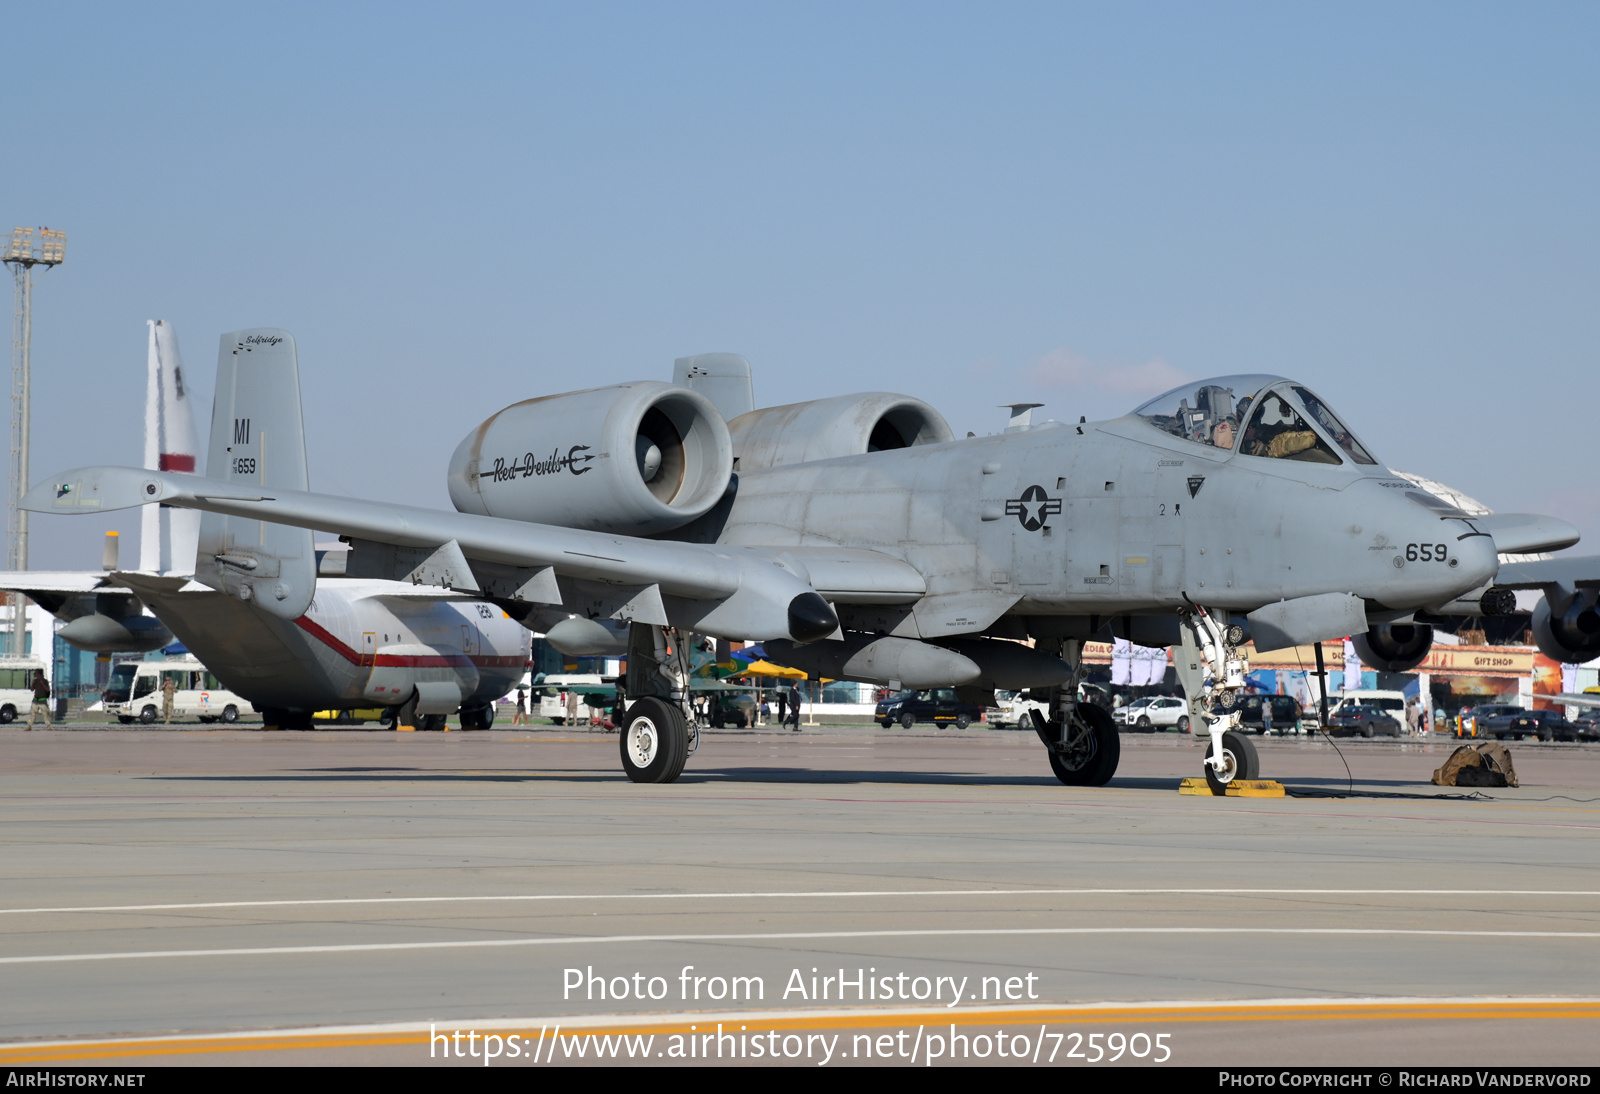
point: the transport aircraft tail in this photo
(258, 444)
(170, 444)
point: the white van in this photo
(135, 692)
(16, 686)
(555, 695)
(1392, 702)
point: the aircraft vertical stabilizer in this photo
(170, 444)
(258, 445)
(150, 515)
(724, 378)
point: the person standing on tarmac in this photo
(167, 690)
(41, 699)
(794, 706)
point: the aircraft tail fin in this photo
(724, 378)
(170, 444)
(258, 441)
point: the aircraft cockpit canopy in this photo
(1265, 416)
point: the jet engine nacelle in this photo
(848, 425)
(1397, 647)
(98, 633)
(1572, 637)
(636, 458)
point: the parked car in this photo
(1495, 720)
(1389, 701)
(938, 705)
(1468, 718)
(1546, 725)
(1128, 713)
(1160, 712)
(1365, 720)
(1015, 710)
(1286, 713)
(1015, 707)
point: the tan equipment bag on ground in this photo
(1487, 763)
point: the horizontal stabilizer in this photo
(1526, 533)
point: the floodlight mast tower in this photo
(22, 256)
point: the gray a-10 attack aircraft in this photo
(857, 538)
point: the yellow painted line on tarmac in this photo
(542, 1029)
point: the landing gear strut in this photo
(1212, 672)
(659, 730)
(1079, 738)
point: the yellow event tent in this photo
(767, 668)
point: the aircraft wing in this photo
(1576, 572)
(60, 582)
(734, 592)
(1586, 700)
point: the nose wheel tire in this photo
(655, 741)
(1094, 765)
(1240, 762)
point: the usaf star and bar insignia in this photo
(1033, 507)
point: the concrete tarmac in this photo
(196, 895)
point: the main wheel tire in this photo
(962, 721)
(908, 720)
(1241, 763)
(1101, 763)
(477, 717)
(654, 741)
(434, 723)
(148, 715)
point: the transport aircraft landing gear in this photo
(658, 731)
(1212, 673)
(279, 718)
(477, 717)
(1079, 738)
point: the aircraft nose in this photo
(1475, 560)
(1430, 553)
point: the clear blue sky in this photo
(455, 207)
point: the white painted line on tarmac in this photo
(1454, 1008)
(780, 895)
(784, 936)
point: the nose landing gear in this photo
(1212, 670)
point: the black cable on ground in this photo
(1322, 686)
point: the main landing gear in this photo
(1212, 670)
(1079, 738)
(659, 731)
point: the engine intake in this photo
(1397, 647)
(1572, 637)
(636, 458)
(824, 429)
